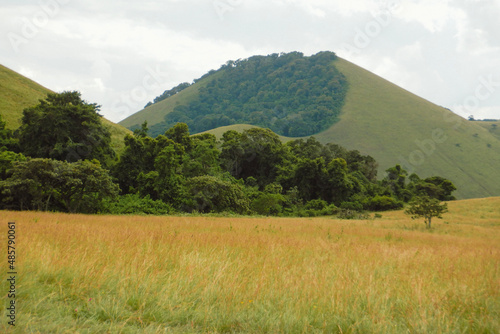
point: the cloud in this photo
(106, 49)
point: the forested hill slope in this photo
(290, 94)
(18, 92)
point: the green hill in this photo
(18, 92)
(392, 125)
(291, 94)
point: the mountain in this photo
(18, 92)
(375, 117)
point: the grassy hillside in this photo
(396, 126)
(18, 92)
(218, 132)
(156, 112)
(493, 127)
(137, 274)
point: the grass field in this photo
(130, 274)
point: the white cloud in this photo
(433, 15)
(436, 49)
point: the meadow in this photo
(189, 274)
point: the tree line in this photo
(60, 159)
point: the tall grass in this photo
(100, 274)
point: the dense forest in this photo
(61, 160)
(288, 93)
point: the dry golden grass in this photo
(93, 274)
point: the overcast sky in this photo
(122, 54)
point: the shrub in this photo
(211, 194)
(352, 206)
(268, 204)
(351, 214)
(135, 204)
(316, 204)
(330, 210)
(383, 203)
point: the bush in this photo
(316, 204)
(268, 204)
(330, 210)
(352, 206)
(351, 214)
(135, 204)
(211, 194)
(325, 211)
(383, 203)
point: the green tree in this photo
(268, 204)
(7, 140)
(395, 181)
(427, 207)
(65, 127)
(179, 133)
(148, 165)
(256, 152)
(45, 184)
(340, 184)
(203, 159)
(212, 194)
(436, 187)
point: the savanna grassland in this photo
(130, 274)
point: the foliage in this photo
(7, 160)
(212, 194)
(168, 93)
(383, 203)
(291, 94)
(436, 187)
(151, 166)
(7, 140)
(427, 207)
(66, 128)
(404, 188)
(137, 204)
(248, 172)
(45, 184)
(254, 153)
(268, 204)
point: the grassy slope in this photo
(218, 132)
(385, 121)
(131, 274)
(18, 92)
(156, 113)
(495, 131)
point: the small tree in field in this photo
(427, 207)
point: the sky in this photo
(122, 54)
